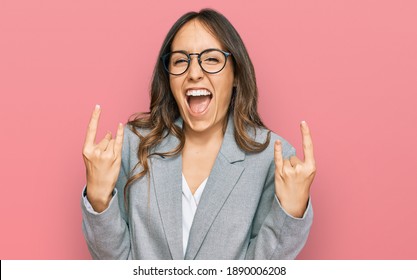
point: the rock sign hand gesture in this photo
(102, 163)
(293, 177)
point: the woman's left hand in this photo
(293, 177)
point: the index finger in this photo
(92, 127)
(307, 143)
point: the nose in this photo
(195, 72)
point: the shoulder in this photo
(130, 134)
(157, 142)
(131, 139)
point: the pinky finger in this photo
(118, 140)
(278, 156)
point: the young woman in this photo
(199, 176)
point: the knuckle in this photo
(278, 177)
(114, 157)
(117, 160)
(298, 169)
(86, 152)
(311, 170)
(108, 156)
(308, 145)
(277, 170)
(97, 153)
(288, 172)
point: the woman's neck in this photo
(212, 136)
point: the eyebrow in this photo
(200, 51)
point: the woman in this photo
(202, 144)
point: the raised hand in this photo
(293, 177)
(102, 163)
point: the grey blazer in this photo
(238, 216)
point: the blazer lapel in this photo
(223, 178)
(167, 180)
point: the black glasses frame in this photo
(165, 57)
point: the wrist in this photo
(99, 201)
(296, 212)
(295, 209)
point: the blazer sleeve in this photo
(275, 233)
(107, 233)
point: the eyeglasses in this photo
(211, 61)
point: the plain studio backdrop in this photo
(349, 68)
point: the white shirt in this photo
(189, 207)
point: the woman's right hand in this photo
(102, 162)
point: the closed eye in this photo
(211, 60)
(180, 61)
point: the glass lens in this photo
(212, 61)
(177, 63)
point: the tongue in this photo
(199, 103)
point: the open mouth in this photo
(198, 100)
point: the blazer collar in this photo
(166, 174)
(229, 149)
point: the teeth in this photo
(198, 92)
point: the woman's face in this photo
(202, 98)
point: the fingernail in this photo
(97, 107)
(303, 123)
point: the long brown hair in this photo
(164, 110)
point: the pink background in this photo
(347, 67)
